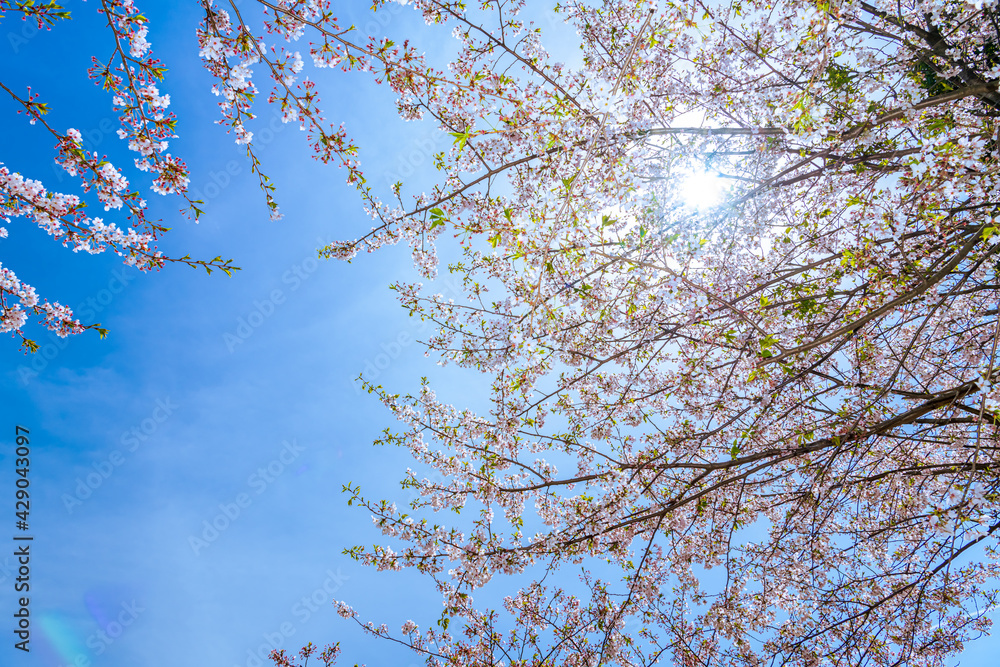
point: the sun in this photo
(702, 189)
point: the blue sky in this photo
(186, 488)
(142, 441)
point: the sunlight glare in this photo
(702, 190)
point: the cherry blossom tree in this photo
(765, 425)
(770, 420)
(131, 76)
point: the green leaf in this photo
(460, 138)
(767, 342)
(438, 218)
